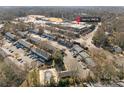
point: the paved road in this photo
(87, 39)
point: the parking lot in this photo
(20, 55)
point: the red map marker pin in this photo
(78, 19)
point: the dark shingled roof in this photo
(25, 43)
(77, 48)
(41, 53)
(87, 59)
(12, 36)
